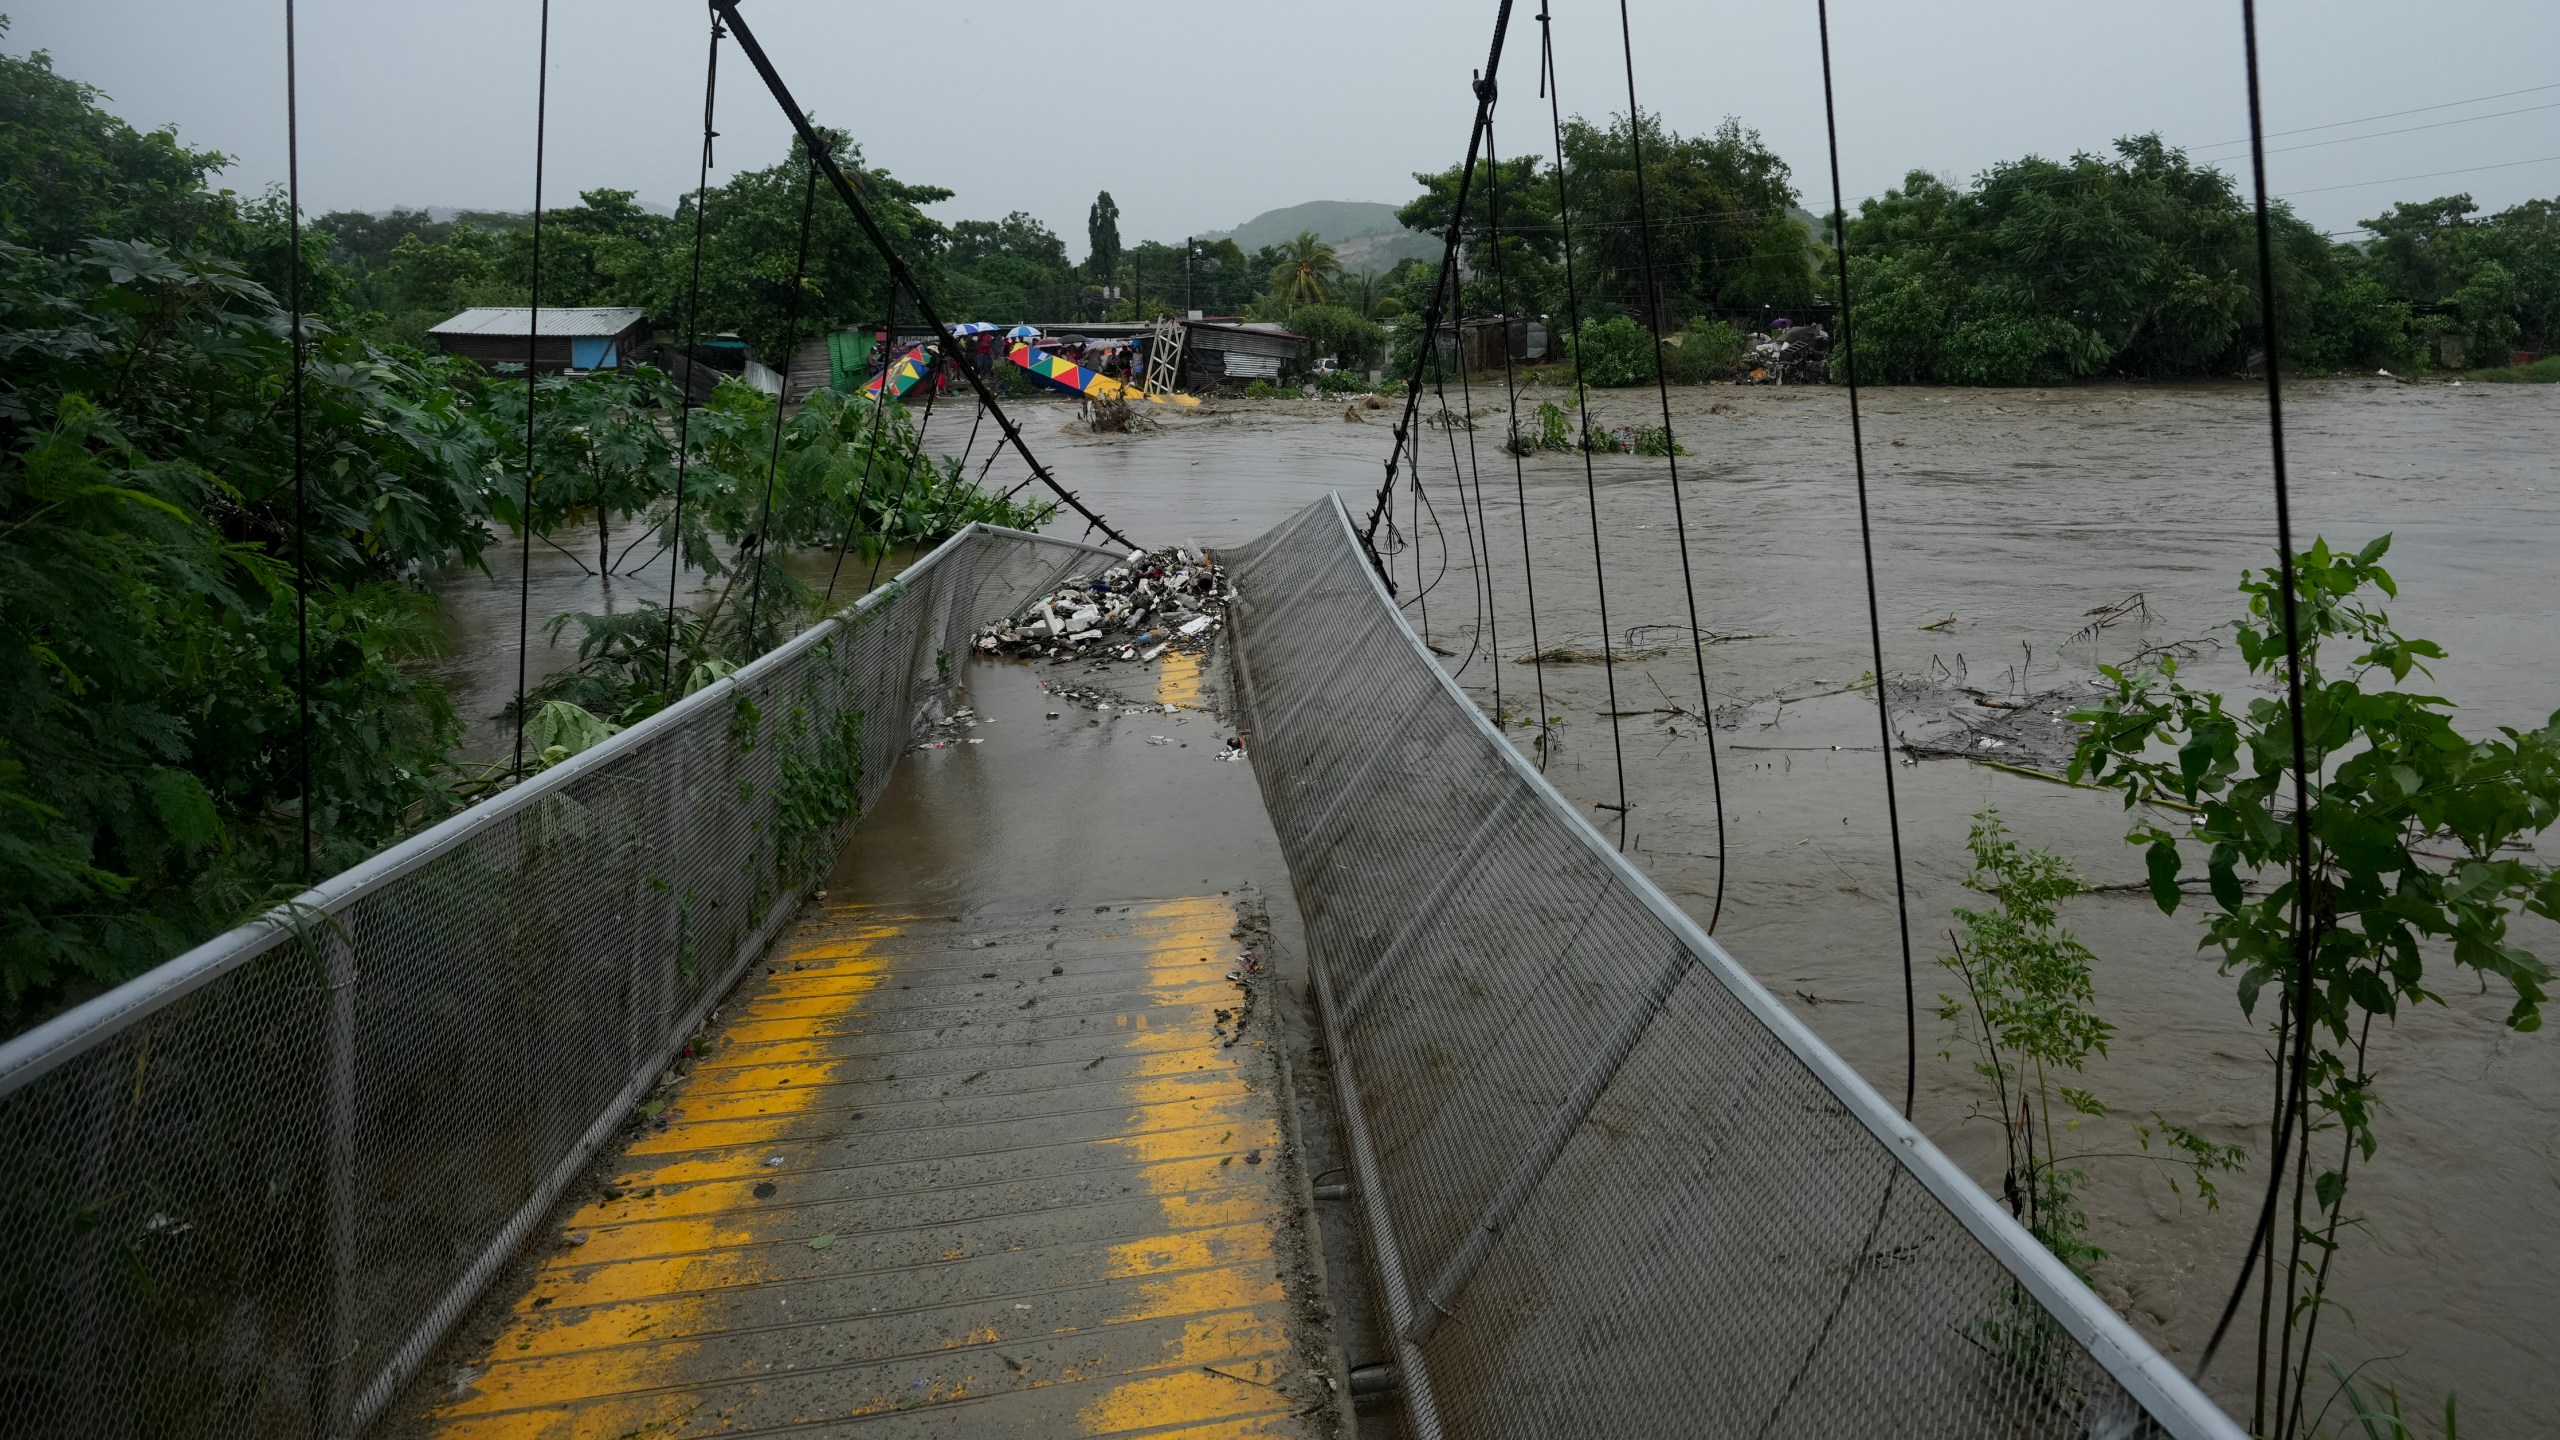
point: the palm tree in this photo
(1307, 264)
(1361, 293)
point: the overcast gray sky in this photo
(1199, 116)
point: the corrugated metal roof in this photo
(1248, 327)
(565, 320)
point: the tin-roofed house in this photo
(1212, 352)
(573, 337)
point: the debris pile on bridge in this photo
(1157, 602)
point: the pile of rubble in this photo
(1789, 355)
(1154, 602)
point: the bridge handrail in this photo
(28, 1056)
(1357, 1038)
(256, 1185)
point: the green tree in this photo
(599, 450)
(70, 171)
(1339, 332)
(1306, 266)
(2419, 842)
(1006, 270)
(1102, 238)
(1725, 233)
(2139, 263)
(150, 790)
(2486, 305)
(1531, 248)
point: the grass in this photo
(2545, 371)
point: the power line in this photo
(2413, 129)
(2387, 115)
(2430, 175)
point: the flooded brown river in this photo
(2016, 513)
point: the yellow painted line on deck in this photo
(1042, 1226)
(1178, 680)
(693, 1253)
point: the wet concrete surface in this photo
(999, 1140)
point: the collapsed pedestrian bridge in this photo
(1605, 1184)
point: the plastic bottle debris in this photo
(1155, 603)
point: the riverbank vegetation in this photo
(2142, 264)
(154, 540)
(2135, 263)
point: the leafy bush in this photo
(1339, 332)
(150, 777)
(2544, 371)
(1654, 440)
(1553, 431)
(1612, 353)
(2029, 1014)
(2420, 855)
(1705, 350)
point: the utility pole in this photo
(1190, 247)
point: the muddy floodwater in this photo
(2002, 520)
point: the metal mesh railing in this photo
(1611, 1187)
(251, 1190)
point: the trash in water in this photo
(1788, 355)
(1156, 602)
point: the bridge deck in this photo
(969, 1156)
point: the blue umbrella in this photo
(1023, 332)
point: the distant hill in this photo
(1363, 232)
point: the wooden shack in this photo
(1236, 353)
(572, 338)
(1483, 341)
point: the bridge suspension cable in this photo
(1867, 551)
(899, 273)
(1679, 512)
(870, 451)
(692, 343)
(301, 504)
(1511, 413)
(1476, 573)
(1475, 473)
(1548, 87)
(915, 457)
(2294, 1019)
(532, 377)
(1431, 312)
(762, 535)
